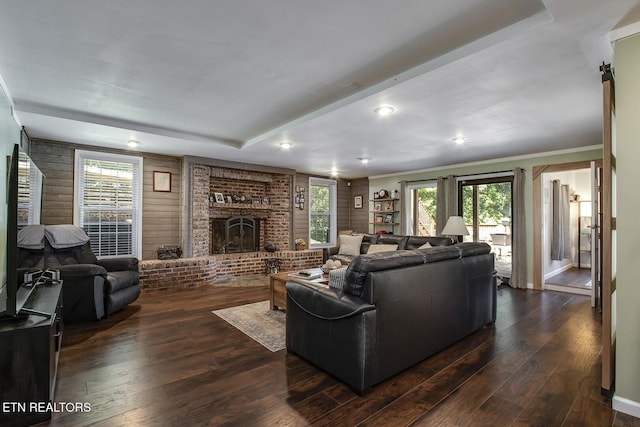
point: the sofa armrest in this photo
(83, 291)
(119, 264)
(332, 330)
(80, 271)
(325, 303)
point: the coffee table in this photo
(278, 291)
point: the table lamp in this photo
(455, 227)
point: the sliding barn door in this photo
(596, 232)
(608, 230)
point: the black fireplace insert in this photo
(236, 234)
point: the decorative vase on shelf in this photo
(301, 247)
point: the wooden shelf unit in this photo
(384, 208)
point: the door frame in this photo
(537, 172)
(609, 229)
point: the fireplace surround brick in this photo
(205, 268)
(159, 275)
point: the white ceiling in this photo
(232, 80)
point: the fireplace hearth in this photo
(234, 235)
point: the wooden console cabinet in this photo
(29, 349)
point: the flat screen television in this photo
(24, 202)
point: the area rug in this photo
(258, 323)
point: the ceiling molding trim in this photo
(513, 30)
(62, 113)
(228, 164)
(7, 96)
(5, 90)
(492, 161)
(624, 32)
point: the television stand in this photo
(30, 346)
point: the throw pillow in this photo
(336, 278)
(425, 246)
(381, 248)
(350, 245)
(343, 233)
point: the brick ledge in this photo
(158, 275)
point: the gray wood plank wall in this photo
(301, 217)
(161, 212)
(360, 217)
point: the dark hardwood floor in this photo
(168, 361)
(574, 278)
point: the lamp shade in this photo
(455, 227)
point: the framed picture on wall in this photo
(357, 202)
(219, 197)
(379, 220)
(162, 181)
(388, 218)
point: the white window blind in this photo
(108, 194)
(29, 191)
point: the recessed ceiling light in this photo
(384, 110)
(285, 145)
(459, 139)
(363, 160)
(132, 144)
(334, 172)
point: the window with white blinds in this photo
(108, 194)
(29, 191)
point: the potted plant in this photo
(301, 244)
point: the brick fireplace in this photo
(222, 193)
(267, 200)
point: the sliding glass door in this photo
(486, 208)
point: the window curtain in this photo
(452, 196)
(560, 238)
(405, 214)
(519, 233)
(441, 205)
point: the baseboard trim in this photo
(626, 406)
(567, 289)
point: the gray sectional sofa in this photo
(395, 310)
